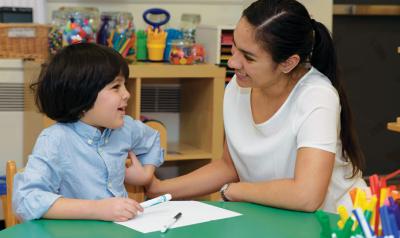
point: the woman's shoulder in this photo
(316, 90)
(317, 84)
(314, 78)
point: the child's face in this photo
(109, 108)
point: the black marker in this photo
(171, 222)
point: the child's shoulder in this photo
(51, 138)
(57, 131)
(131, 122)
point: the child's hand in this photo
(136, 173)
(117, 209)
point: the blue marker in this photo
(362, 222)
(157, 200)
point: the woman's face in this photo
(253, 66)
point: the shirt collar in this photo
(90, 133)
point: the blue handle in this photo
(156, 11)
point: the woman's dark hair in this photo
(285, 28)
(68, 85)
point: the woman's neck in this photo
(284, 85)
(265, 102)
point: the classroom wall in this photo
(211, 14)
(218, 12)
(322, 11)
(222, 12)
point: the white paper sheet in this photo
(193, 212)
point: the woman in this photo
(290, 142)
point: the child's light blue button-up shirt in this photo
(76, 160)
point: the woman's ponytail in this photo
(323, 58)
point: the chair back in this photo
(158, 126)
(137, 192)
(10, 218)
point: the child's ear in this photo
(289, 64)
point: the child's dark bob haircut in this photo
(69, 84)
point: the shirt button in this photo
(100, 150)
(106, 141)
(90, 141)
(109, 185)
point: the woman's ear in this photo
(289, 64)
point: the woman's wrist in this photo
(153, 187)
(226, 192)
(222, 192)
(235, 191)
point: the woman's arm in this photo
(109, 209)
(305, 192)
(204, 180)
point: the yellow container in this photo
(156, 51)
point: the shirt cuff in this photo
(155, 157)
(36, 205)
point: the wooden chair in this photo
(137, 192)
(158, 126)
(9, 216)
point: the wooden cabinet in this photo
(201, 126)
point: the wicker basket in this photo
(26, 41)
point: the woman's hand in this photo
(117, 209)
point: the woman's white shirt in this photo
(310, 117)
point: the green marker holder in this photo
(141, 45)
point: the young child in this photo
(77, 167)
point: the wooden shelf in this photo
(186, 152)
(166, 70)
(200, 116)
(394, 126)
(202, 88)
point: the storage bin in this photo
(26, 41)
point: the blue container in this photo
(173, 34)
(3, 185)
